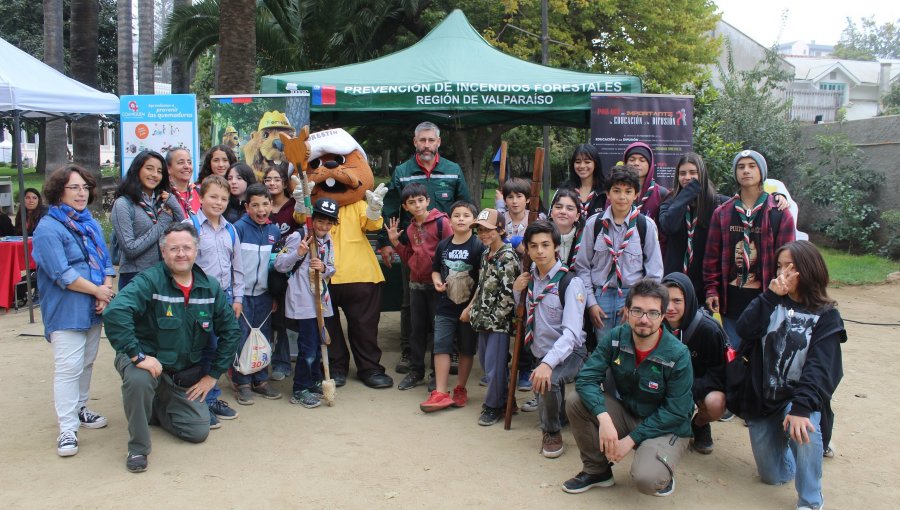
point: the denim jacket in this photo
(60, 261)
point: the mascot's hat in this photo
(332, 141)
(274, 119)
(230, 129)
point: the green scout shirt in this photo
(658, 391)
(149, 315)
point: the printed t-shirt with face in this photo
(741, 293)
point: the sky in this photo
(807, 20)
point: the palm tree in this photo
(237, 47)
(181, 69)
(53, 134)
(83, 52)
(145, 47)
(125, 56)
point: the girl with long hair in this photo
(142, 211)
(586, 177)
(239, 177)
(34, 211)
(793, 334)
(217, 160)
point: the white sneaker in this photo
(530, 406)
(67, 444)
(90, 419)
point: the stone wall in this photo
(879, 140)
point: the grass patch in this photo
(846, 269)
(32, 178)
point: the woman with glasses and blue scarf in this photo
(75, 275)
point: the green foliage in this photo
(749, 112)
(891, 221)
(845, 186)
(846, 269)
(869, 41)
(617, 36)
(891, 101)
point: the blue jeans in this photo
(307, 371)
(493, 352)
(209, 353)
(730, 326)
(779, 458)
(610, 302)
(281, 351)
(257, 310)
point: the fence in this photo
(807, 104)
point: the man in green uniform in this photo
(445, 183)
(158, 326)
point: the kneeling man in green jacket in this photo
(645, 406)
(158, 325)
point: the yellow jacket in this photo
(354, 259)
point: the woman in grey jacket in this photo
(142, 211)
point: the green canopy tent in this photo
(452, 77)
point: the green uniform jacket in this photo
(149, 316)
(446, 185)
(658, 391)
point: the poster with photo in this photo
(159, 123)
(249, 125)
(663, 122)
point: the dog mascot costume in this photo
(336, 167)
(264, 151)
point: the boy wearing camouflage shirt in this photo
(491, 310)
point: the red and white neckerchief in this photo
(615, 272)
(690, 223)
(533, 301)
(585, 205)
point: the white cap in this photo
(332, 141)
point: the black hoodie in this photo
(796, 356)
(704, 338)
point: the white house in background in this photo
(857, 86)
(805, 49)
(746, 53)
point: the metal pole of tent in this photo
(545, 59)
(17, 148)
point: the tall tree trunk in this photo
(53, 134)
(471, 146)
(181, 72)
(145, 47)
(83, 54)
(237, 47)
(125, 50)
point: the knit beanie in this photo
(643, 151)
(760, 162)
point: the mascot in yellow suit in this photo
(336, 167)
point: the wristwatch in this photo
(140, 357)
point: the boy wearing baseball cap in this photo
(299, 301)
(744, 234)
(492, 309)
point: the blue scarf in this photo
(87, 232)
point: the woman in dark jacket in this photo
(34, 211)
(793, 335)
(240, 176)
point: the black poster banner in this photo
(663, 122)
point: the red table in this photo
(12, 263)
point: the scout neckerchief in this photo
(533, 301)
(586, 205)
(148, 207)
(615, 272)
(184, 199)
(690, 223)
(646, 196)
(748, 216)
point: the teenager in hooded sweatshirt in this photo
(639, 156)
(705, 339)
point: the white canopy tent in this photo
(31, 89)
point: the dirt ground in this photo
(375, 449)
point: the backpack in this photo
(277, 281)
(228, 226)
